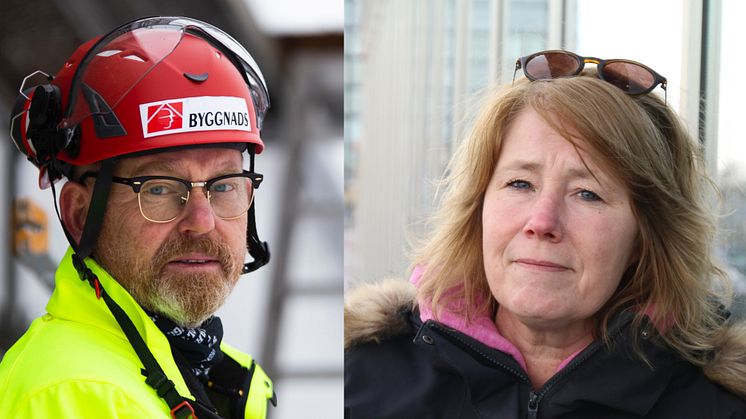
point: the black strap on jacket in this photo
(154, 375)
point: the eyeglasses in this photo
(162, 198)
(630, 76)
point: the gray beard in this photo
(188, 299)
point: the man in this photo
(149, 124)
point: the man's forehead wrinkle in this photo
(173, 165)
(157, 165)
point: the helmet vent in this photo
(199, 78)
(134, 58)
(109, 52)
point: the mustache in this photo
(180, 246)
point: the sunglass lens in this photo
(630, 77)
(552, 65)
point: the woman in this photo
(568, 273)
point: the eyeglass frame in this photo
(600, 63)
(137, 182)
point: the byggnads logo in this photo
(165, 117)
(206, 113)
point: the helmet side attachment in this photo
(151, 85)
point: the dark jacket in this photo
(398, 367)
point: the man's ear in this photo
(74, 201)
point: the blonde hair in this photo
(641, 142)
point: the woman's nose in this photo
(545, 218)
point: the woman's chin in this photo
(540, 314)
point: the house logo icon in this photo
(165, 117)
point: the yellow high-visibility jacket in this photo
(75, 361)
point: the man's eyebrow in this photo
(155, 166)
(160, 166)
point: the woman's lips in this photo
(541, 265)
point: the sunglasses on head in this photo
(630, 76)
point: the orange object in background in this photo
(30, 228)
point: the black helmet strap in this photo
(96, 208)
(95, 215)
(155, 376)
(258, 249)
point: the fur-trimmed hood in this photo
(377, 311)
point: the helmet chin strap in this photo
(258, 249)
(154, 374)
(96, 208)
(94, 217)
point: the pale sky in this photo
(655, 39)
(298, 16)
(732, 87)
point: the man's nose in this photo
(198, 216)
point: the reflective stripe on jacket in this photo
(76, 362)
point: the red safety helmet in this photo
(152, 84)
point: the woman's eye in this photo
(519, 184)
(587, 195)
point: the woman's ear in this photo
(74, 201)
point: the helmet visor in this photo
(147, 42)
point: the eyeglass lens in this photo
(631, 77)
(627, 76)
(549, 66)
(163, 199)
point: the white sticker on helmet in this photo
(206, 113)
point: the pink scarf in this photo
(481, 328)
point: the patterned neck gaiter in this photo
(200, 346)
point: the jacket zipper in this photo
(533, 405)
(534, 397)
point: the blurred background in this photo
(415, 72)
(288, 315)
